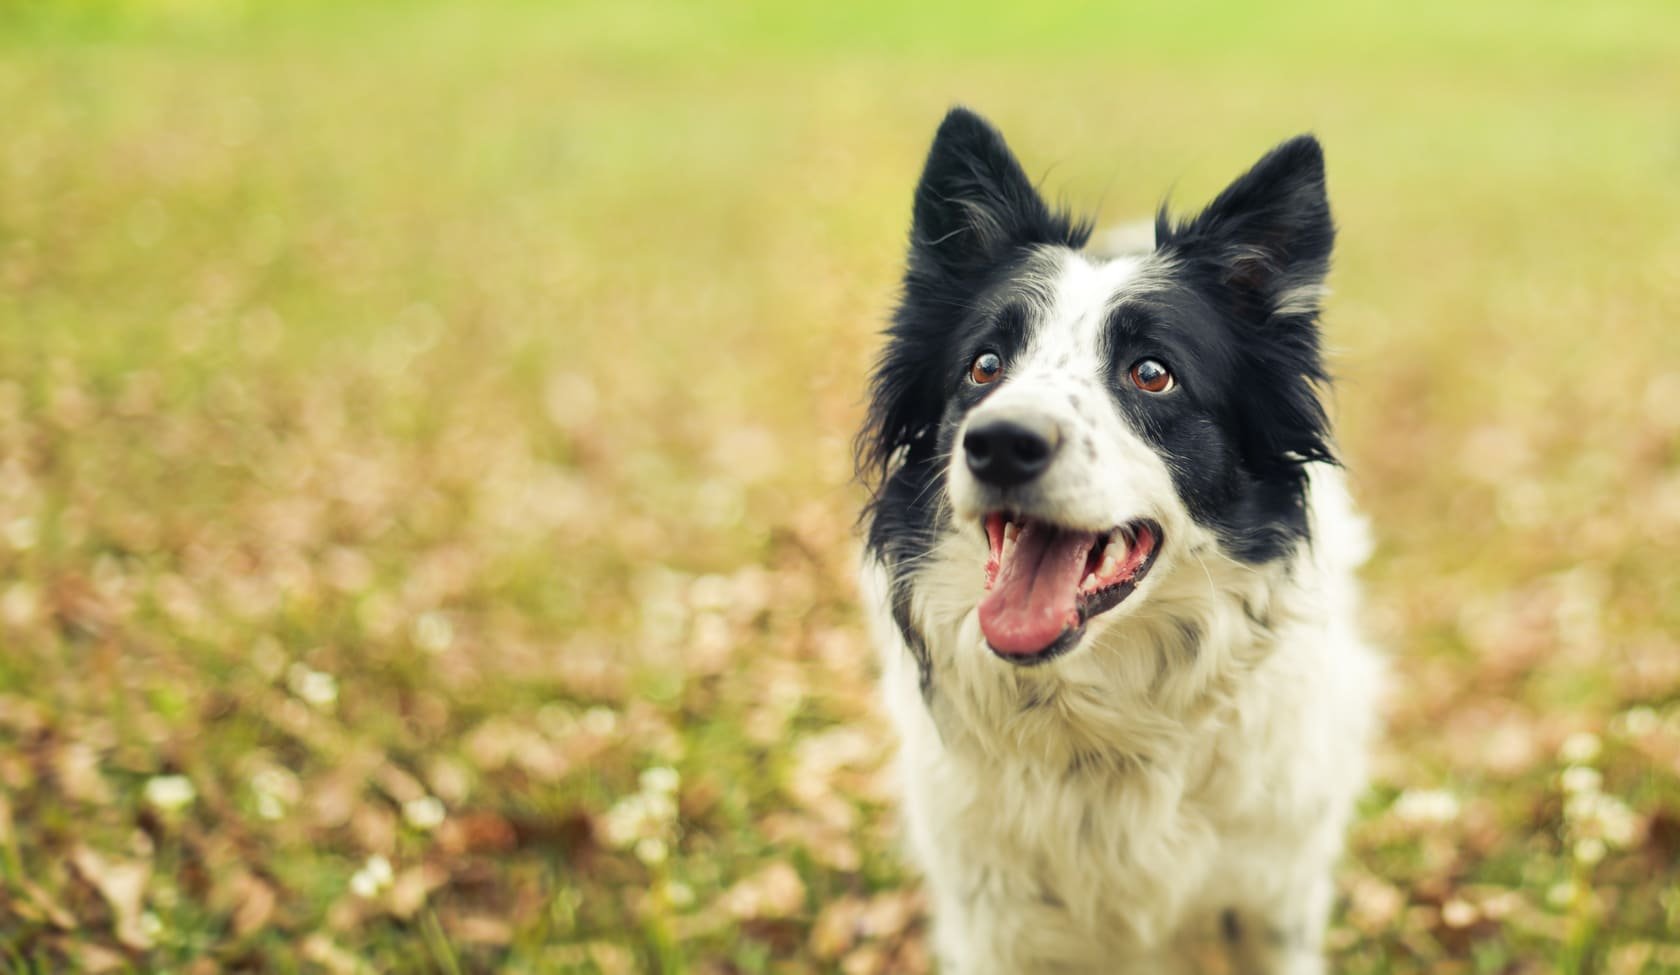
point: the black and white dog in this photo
(1109, 563)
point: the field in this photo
(426, 514)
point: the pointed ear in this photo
(974, 204)
(1268, 236)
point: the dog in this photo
(1108, 559)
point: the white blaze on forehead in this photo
(1082, 292)
(1111, 476)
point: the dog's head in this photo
(1094, 421)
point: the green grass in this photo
(494, 366)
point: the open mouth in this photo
(1044, 582)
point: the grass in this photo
(420, 421)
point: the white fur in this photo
(1187, 771)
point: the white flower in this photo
(660, 778)
(1590, 850)
(637, 817)
(1638, 722)
(711, 592)
(679, 894)
(276, 788)
(374, 877)
(315, 686)
(170, 792)
(21, 533)
(1459, 913)
(600, 721)
(1426, 807)
(19, 606)
(269, 807)
(1580, 778)
(433, 632)
(424, 813)
(150, 925)
(1580, 747)
(1594, 814)
(651, 851)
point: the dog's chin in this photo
(1070, 640)
(1046, 582)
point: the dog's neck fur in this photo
(1111, 745)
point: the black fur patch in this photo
(912, 637)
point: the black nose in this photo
(1004, 453)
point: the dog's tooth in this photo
(1010, 530)
(1008, 547)
(1089, 582)
(1108, 567)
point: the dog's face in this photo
(1092, 423)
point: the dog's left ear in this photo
(1267, 236)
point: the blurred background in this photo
(426, 516)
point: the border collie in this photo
(1109, 563)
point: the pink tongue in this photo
(1033, 600)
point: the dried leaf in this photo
(479, 929)
(481, 831)
(256, 906)
(122, 884)
(97, 959)
(829, 846)
(77, 769)
(892, 912)
(774, 892)
(838, 927)
(398, 784)
(412, 887)
(321, 950)
(868, 960)
(48, 909)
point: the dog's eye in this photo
(987, 367)
(1151, 377)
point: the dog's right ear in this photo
(975, 211)
(975, 206)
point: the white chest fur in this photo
(1187, 772)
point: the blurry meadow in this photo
(426, 516)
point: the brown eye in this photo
(1151, 377)
(986, 369)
